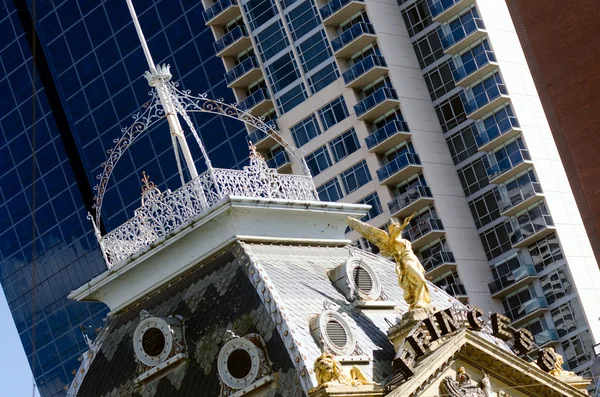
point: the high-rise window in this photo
(451, 112)
(344, 144)
(439, 81)
(496, 240)
(485, 208)
(271, 41)
(302, 19)
(321, 79)
(314, 51)
(334, 112)
(291, 98)
(556, 284)
(259, 12)
(330, 190)
(282, 72)
(428, 49)
(372, 200)
(513, 303)
(545, 252)
(305, 130)
(462, 144)
(566, 317)
(355, 176)
(318, 160)
(576, 349)
(473, 177)
(416, 17)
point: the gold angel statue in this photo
(411, 274)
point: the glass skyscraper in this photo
(89, 83)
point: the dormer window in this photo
(357, 280)
(334, 332)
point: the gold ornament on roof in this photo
(558, 369)
(329, 372)
(148, 184)
(411, 274)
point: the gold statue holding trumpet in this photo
(411, 274)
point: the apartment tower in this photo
(425, 107)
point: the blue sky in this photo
(15, 374)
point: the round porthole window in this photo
(336, 333)
(364, 279)
(239, 363)
(152, 341)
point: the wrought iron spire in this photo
(157, 77)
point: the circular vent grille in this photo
(336, 333)
(362, 280)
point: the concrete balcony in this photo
(439, 263)
(261, 139)
(337, 11)
(486, 101)
(512, 281)
(504, 169)
(259, 102)
(424, 232)
(221, 12)
(377, 104)
(244, 74)
(353, 39)
(280, 162)
(442, 10)
(233, 42)
(497, 134)
(519, 198)
(528, 233)
(365, 72)
(527, 311)
(462, 36)
(474, 68)
(389, 136)
(412, 200)
(399, 169)
(546, 338)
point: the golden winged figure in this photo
(411, 274)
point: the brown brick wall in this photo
(561, 40)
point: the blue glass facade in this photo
(89, 85)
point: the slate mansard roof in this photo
(272, 290)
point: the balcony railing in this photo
(519, 195)
(438, 259)
(255, 98)
(509, 279)
(484, 98)
(436, 7)
(472, 65)
(456, 290)
(545, 337)
(461, 32)
(422, 228)
(239, 70)
(387, 131)
(410, 196)
(527, 230)
(526, 308)
(360, 68)
(218, 8)
(381, 95)
(279, 160)
(197, 196)
(493, 132)
(257, 136)
(350, 34)
(334, 6)
(397, 164)
(508, 163)
(230, 38)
